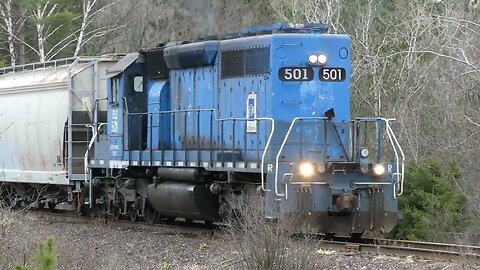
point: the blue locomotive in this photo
(186, 129)
(190, 126)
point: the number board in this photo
(295, 74)
(332, 74)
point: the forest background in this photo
(417, 61)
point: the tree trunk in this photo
(6, 12)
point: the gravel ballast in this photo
(99, 246)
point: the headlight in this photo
(321, 168)
(364, 153)
(378, 169)
(322, 59)
(312, 59)
(306, 169)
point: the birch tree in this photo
(63, 27)
(85, 33)
(7, 26)
(40, 12)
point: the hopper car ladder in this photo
(78, 134)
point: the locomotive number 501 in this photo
(332, 74)
(295, 74)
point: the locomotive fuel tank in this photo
(180, 174)
(185, 200)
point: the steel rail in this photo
(197, 229)
(405, 248)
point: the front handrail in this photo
(400, 177)
(397, 149)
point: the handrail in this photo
(52, 63)
(400, 169)
(95, 108)
(177, 111)
(267, 145)
(402, 176)
(396, 158)
(277, 158)
(90, 144)
(85, 158)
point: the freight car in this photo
(185, 129)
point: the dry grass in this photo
(10, 215)
(267, 244)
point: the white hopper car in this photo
(44, 110)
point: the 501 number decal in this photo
(295, 74)
(332, 74)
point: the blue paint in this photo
(200, 115)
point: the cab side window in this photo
(138, 84)
(115, 82)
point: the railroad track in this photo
(405, 248)
(372, 245)
(197, 229)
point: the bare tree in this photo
(85, 34)
(6, 12)
(151, 22)
(40, 11)
(11, 26)
(311, 11)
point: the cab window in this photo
(115, 82)
(138, 84)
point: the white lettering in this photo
(115, 114)
(270, 167)
(288, 74)
(114, 126)
(297, 74)
(325, 74)
(333, 74)
(390, 168)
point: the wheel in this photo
(133, 214)
(208, 222)
(150, 215)
(51, 206)
(115, 213)
(80, 210)
(356, 237)
(112, 211)
(41, 205)
(92, 212)
(329, 236)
